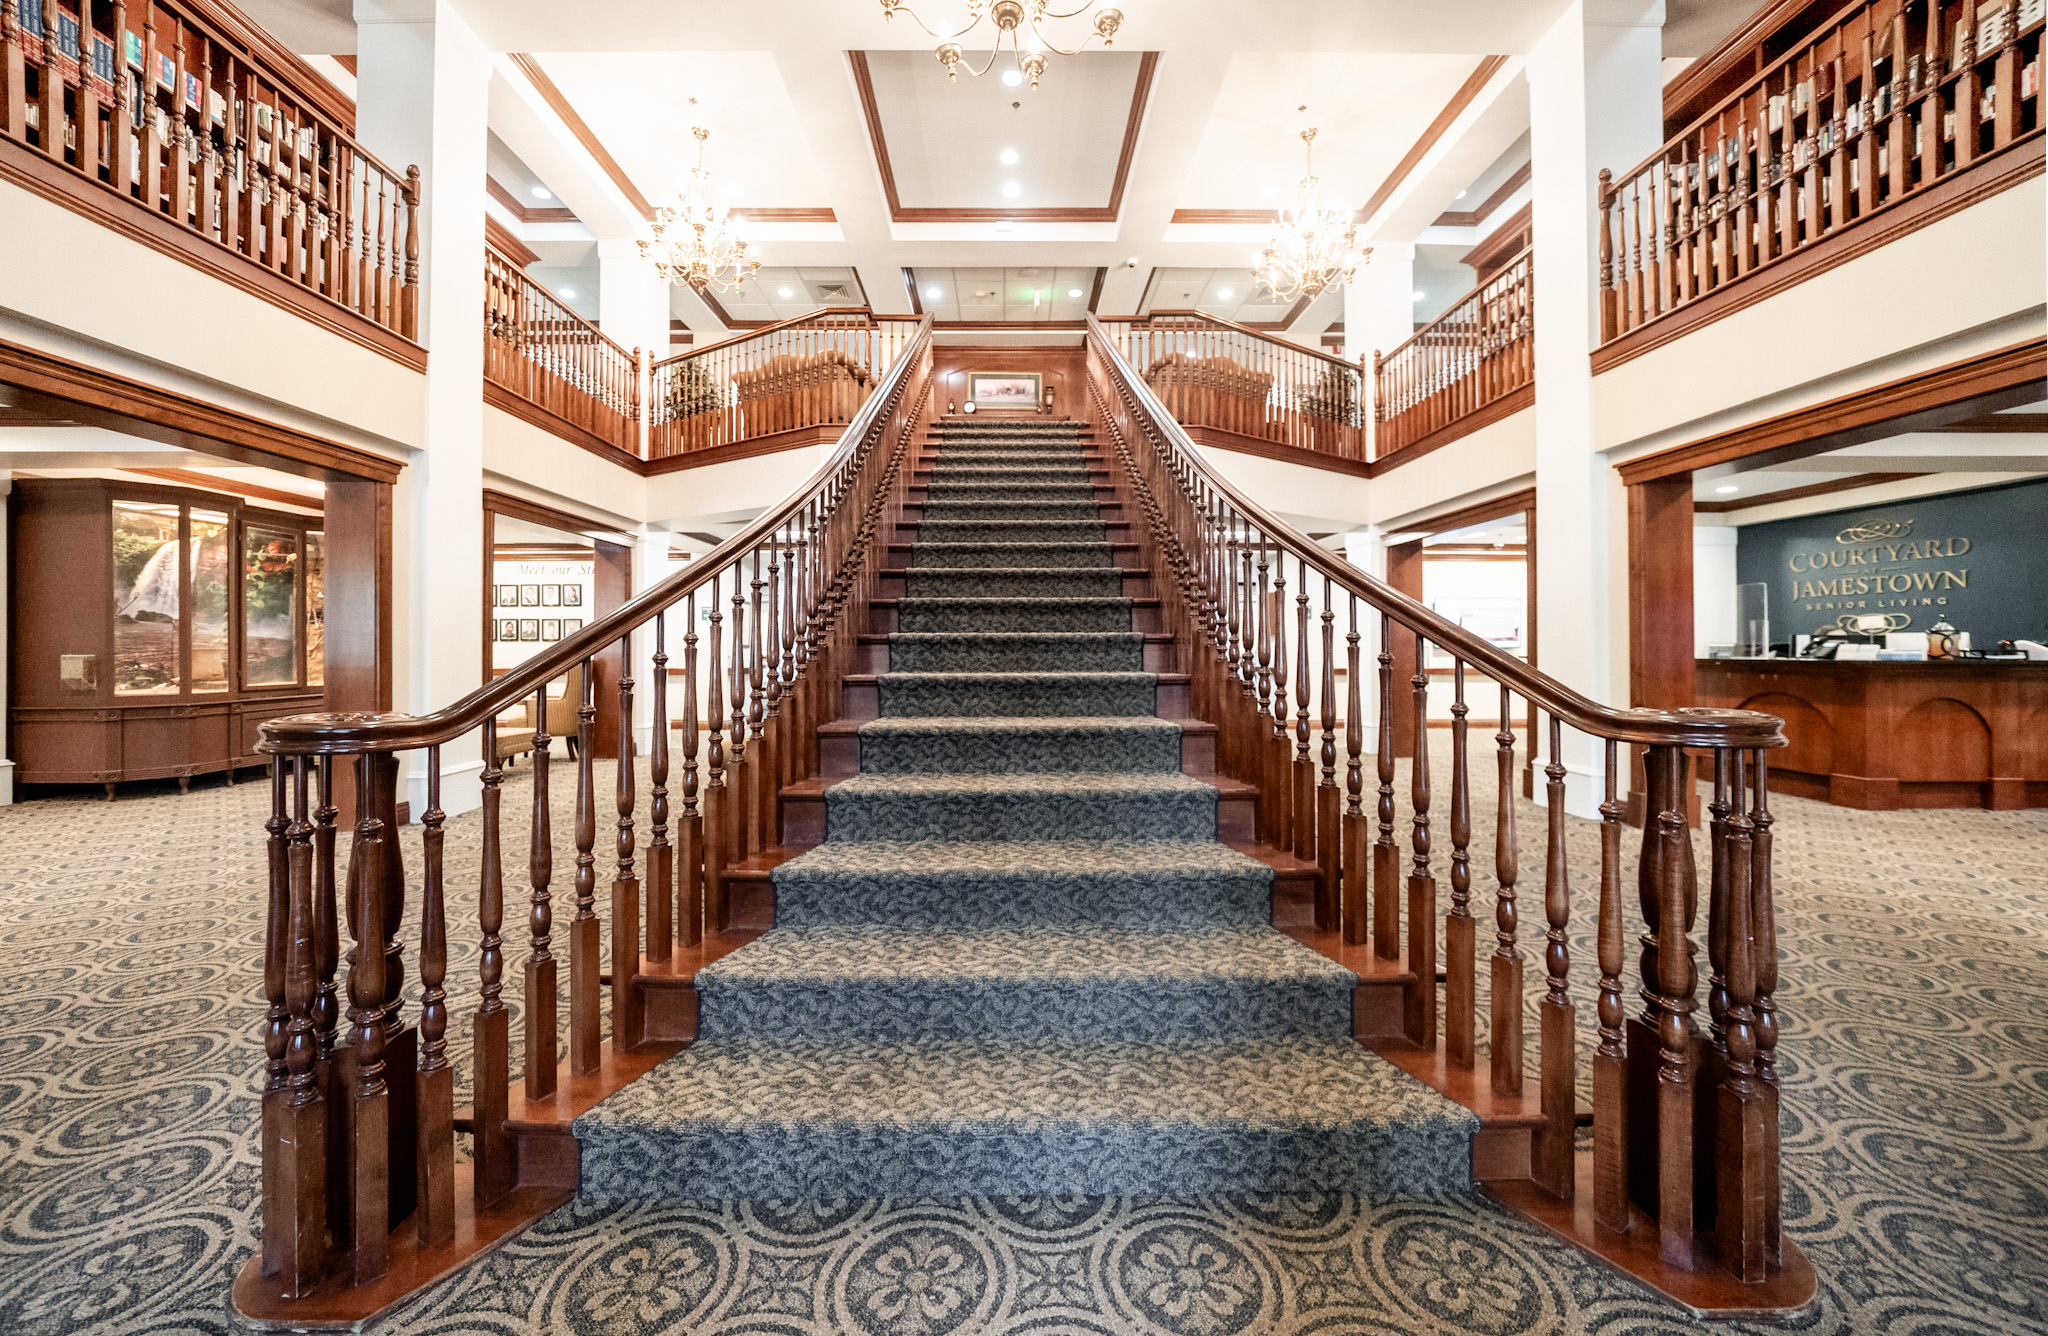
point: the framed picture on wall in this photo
(508, 627)
(551, 596)
(572, 595)
(551, 628)
(508, 596)
(571, 625)
(529, 628)
(529, 596)
(1003, 389)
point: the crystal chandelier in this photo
(694, 243)
(1313, 245)
(1020, 20)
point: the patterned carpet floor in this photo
(1916, 1142)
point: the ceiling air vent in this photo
(836, 294)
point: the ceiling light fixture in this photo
(1009, 157)
(1073, 292)
(569, 293)
(541, 192)
(1021, 21)
(784, 292)
(1314, 245)
(1223, 294)
(1417, 295)
(694, 243)
(932, 292)
(1731, 487)
(1011, 190)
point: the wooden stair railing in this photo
(799, 376)
(1475, 355)
(1886, 101)
(1683, 1170)
(550, 357)
(364, 1201)
(1220, 377)
(169, 108)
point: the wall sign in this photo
(1977, 558)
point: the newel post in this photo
(409, 298)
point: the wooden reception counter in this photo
(1879, 736)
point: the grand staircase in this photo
(1021, 961)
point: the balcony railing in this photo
(803, 377)
(1887, 102)
(1235, 385)
(555, 360)
(1476, 355)
(149, 114)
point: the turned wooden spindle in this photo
(1764, 924)
(367, 1118)
(295, 1150)
(1460, 929)
(1504, 970)
(717, 821)
(1328, 830)
(1419, 1010)
(1610, 1060)
(661, 902)
(627, 1020)
(1357, 881)
(542, 997)
(1661, 1171)
(1742, 1104)
(434, 1209)
(584, 933)
(1386, 864)
(1303, 836)
(495, 1173)
(1554, 1160)
(277, 1018)
(739, 776)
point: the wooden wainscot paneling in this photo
(1883, 736)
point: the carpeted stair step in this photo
(1023, 883)
(1008, 493)
(1017, 651)
(939, 530)
(1083, 806)
(1013, 614)
(1013, 582)
(1015, 694)
(1000, 556)
(1023, 985)
(756, 1120)
(1049, 744)
(1071, 474)
(961, 511)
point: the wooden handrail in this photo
(221, 148)
(1266, 615)
(806, 320)
(1680, 728)
(1182, 312)
(1473, 355)
(554, 359)
(1884, 101)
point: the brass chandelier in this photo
(694, 242)
(1021, 21)
(1313, 245)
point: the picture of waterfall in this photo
(146, 608)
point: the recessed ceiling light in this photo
(1011, 78)
(1223, 294)
(1073, 292)
(541, 192)
(1417, 295)
(1460, 195)
(1011, 190)
(1269, 192)
(784, 292)
(1008, 156)
(1731, 487)
(570, 293)
(932, 292)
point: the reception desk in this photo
(1880, 736)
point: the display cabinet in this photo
(154, 629)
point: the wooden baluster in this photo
(1610, 1060)
(768, 775)
(1554, 1166)
(1386, 866)
(50, 114)
(1261, 744)
(760, 765)
(690, 824)
(1741, 1102)
(717, 819)
(295, 1204)
(1662, 1164)
(1764, 927)
(367, 1118)
(661, 880)
(13, 74)
(1357, 882)
(1505, 968)
(628, 1022)
(1303, 769)
(85, 100)
(1419, 1013)
(1460, 929)
(277, 1018)
(584, 933)
(434, 1212)
(1329, 837)
(495, 1172)
(542, 996)
(739, 778)
(1279, 784)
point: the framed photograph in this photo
(508, 596)
(508, 628)
(551, 596)
(572, 595)
(529, 628)
(571, 625)
(529, 596)
(1004, 389)
(551, 628)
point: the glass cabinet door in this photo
(209, 600)
(270, 606)
(147, 599)
(316, 608)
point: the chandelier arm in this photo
(1058, 50)
(942, 36)
(991, 64)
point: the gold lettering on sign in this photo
(1877, 543)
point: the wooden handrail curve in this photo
(1645, 727)
(343, 734)
(1476, 353)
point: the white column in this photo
(650, 567)
(422, 82)
(1379, 309)
(1595, 100)
(6, 628)
(632, 301)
